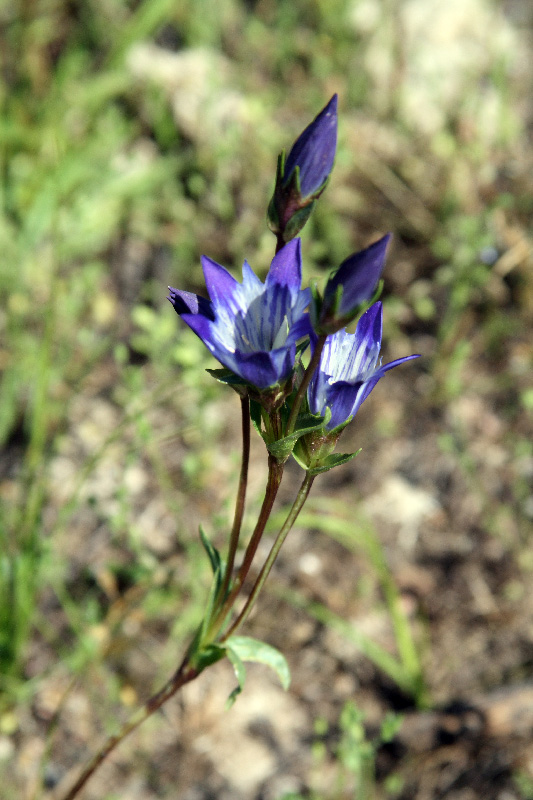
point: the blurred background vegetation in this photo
(135, 136)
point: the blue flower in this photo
(250, 327)
(349, 369)
(314, 151)
(351, 285)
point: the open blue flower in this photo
(250, 327)
(314, 151)
(349, 369)
(351, 285)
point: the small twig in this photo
(184, 674)
(313, 364)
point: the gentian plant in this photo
(300, 377)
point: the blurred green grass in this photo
(135, 136)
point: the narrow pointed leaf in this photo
(214, 556)
(213, 591)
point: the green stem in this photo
(275, 473)
(241, 496)
(184, 674)
(297, 506)
(302, 389)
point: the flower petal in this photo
(221, 285)
(286, 267)
(265, 369)
(344, 399)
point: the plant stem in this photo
(275, 473)
(280, 242)
(184, 674)
(302, 389)
(297, 506)
(241, 496)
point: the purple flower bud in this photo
(302, 177)
(314, 151)
(351, 285)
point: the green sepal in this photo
(305, 423)
(272, 216)
(273, 219)
(293, 186)
(288, 211)
(333, 460)
(316, 303)
(297, 221)
(256, 416)
(244, 648)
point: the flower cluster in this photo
(260, 331)
(301, 377)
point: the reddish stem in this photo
(184, 674)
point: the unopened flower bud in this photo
(302, 175)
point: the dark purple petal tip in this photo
(189, 303)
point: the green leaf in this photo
(214, 556)
(334, 460)
(238, 666)
(240, 673)
(218, 565)
(390, 727)
(213, 592)
(244, 648)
